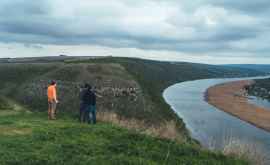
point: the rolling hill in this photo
(131, 91)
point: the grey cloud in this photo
(33, 46)
(235, 33)
(36, 22)
(249, 6)
(22, 8)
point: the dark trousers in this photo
(81, 111)
(87, 113)
(84, 113)
(92, 114)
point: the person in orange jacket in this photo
(52, 100)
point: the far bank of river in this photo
(211, 126)
(230, 97)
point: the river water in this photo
(212, 127)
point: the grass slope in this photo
(28, 138)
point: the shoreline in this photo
(230, 98)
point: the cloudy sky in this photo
(207, 31)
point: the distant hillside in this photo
(48, 59)
(258, 67)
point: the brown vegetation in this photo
(12, 131)
(167, 130)
(245, 150)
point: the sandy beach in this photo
(230, 98)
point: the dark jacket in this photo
(88, 97)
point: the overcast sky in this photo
(207, 31)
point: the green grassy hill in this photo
(141, 110)
(28, 138)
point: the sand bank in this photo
(230, 98)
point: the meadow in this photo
(28, 138)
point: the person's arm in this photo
(98, 95)
(55, 95)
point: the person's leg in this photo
(53, 110)
(85, 114)
(88, 114)
(94, 114)
(49, 110)
(81, 113)
(49, 114)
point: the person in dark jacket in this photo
(87, 105)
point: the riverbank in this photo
(230, 98)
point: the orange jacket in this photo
(51, 93)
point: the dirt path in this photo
(229, 97)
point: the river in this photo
(212, 127)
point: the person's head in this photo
(87, 86)
(81, 86)
(53, 82)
